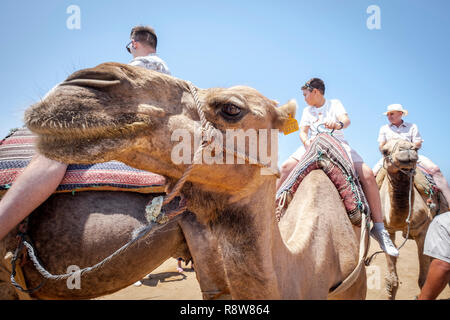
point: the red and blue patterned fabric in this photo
(17, 150)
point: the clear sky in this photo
(273, 46)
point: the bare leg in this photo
(437, 278)
(36, 183)
(370, 187)
(377, 167)
(285, 170)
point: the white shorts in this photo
(352, 154)
(438, 238)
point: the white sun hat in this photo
(396, 107)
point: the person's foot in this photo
(382, 236)
(137, 284)
(180, 270)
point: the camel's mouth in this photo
(406, 159)
(407, 165)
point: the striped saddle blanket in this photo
(327, 154)
(17, 149)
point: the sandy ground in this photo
(165, 283)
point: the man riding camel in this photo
(399, 129)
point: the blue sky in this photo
(273, 46)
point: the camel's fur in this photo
(311, 250)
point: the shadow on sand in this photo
(165, 277)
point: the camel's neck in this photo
(245, 233)
(265, 261)
(399, 192)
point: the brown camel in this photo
(394, 182)
(121, 112)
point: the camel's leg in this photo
(424, 260)
(391, 277)
(209, 267)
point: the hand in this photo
(332, 125)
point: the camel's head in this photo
(138, 116)
(399, 154)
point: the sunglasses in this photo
(307, 85)
(129, 44)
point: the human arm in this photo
(382, 138)
(305, 123)
(338, 118)
(416, 137)
(304, 136)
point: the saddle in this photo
(327, 154)
(425, 185)
(18, 148)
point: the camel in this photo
(121, 112)
(394, 182)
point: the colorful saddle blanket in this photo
(17, 149)
(327, 154)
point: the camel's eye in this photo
(231, 112)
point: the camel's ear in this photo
(384, 150)
(283, 113)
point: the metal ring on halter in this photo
(324, 130)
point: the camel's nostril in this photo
(93, 75)
(413, 156)
(402, 156)
(92, 78)
(92, 83)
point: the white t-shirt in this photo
(406, 131)
(152, 62)
(313, 117)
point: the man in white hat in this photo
(399, 129)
